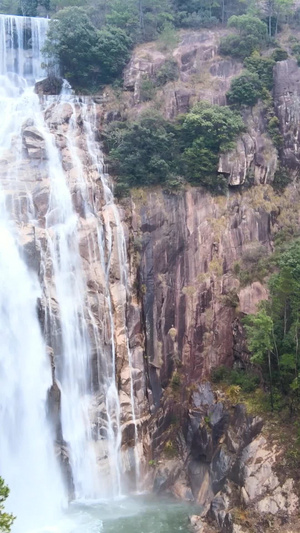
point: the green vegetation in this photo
(253, 266)
(153, 151)
(247, 381)
(85, 55)
(279, 54)
(251, 36)
(273, 332)
(262, 66)
(207, 131)
(245, 89)
(168, 72)
(6, 519)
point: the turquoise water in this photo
(140, 514)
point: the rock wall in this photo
(190, 242)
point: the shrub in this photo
(245, 89)
(168, 72)
(170, 449)
(282, 178)
(147, 89)
(249, 25)
(237, 46)
(168, 38)
(296, 49)
(121, 189)
(175, 381)
(153, 151)
(197, 19)
(274, 131)
(279, 54)
(248, 381)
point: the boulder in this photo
(49, 86)
(34, 143)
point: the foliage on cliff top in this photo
(85, 55)
(6, 519)
(154, 151)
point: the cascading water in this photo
(27, 456)
(72, 242)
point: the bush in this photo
(282, 178)
(237, 46)
(296, 49)
(248, 381)
(197, 19)
(147, 89)
(249, 25)
(168, 38)
(168, 72)
(279, 54)
(245, 89)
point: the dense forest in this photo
(92, 42)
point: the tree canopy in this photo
(151, 150)
(84, 54)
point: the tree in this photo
(28, 8)
(262, 66)
(6, 519)
(9, 6)
(113, 51)
(259, 329)
(206, 131)
(245, 89)
(218, 125)
(86, 56)
(249, 25)
(252, 33)
(143, 152)
(275, 10)
(72, 42)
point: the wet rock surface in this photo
(49, 86)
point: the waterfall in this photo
(63, 295)
(27, 457)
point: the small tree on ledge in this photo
(6, 519)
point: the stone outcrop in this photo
(225, 464)
(255, 158)
(49, 86)
(34, 143)
(287, 105)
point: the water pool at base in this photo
(139, 514)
